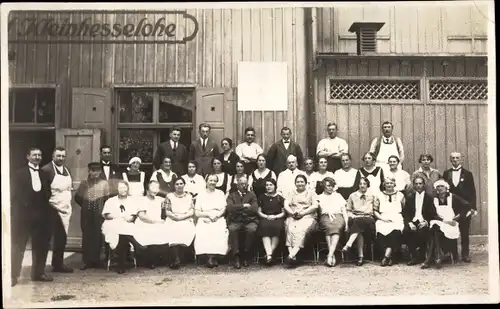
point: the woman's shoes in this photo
(330, 261)
(385, 262)
(290, 262)
(390, 263)
(346, 248)
(269, 260)
(360, 262)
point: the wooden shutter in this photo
(91, 109)
(216, 106)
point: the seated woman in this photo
(272, 214)
(151, 230)
(316, 178)
(240, 172)
(135, 177)
(373, 173)
(346, 176)
(223, 179)
(333, 217)
(302, 217)
(180, 220)
(360, 207)
(118, 228)
(390, 224)
(165, 177)
(211, 228)
(194, 182)
(403, 182)
(257, 180)
(449, 208)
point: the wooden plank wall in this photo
(409, 28)
(438, 129)
(225, 37)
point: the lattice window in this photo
(374, 89)
(458, 90)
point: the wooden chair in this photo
(109, 255)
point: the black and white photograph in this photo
(282, 153)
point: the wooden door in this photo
(91, 109)
(215, 106)
(82, 147)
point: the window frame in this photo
(457, 79)
(378, 79)
(155, 125)
(26, 126)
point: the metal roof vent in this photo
(366, 36)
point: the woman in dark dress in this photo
(257, 180)
(228, 157)
(223, 179)
(240, 172)
(272, 214)
(166, 177)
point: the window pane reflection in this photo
(46, 104)
(136, 107)
(136, 143)
(176, 106)
(24, 110)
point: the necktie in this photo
(175, 146)
(204, 143)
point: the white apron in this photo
(60, 199)
(136, 189)
(151, 233)
(375, 181)
(180, 232)
(446, 212)
(112, 229)
(386, 150)
(211, 237)
(391, 211)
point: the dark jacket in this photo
(179, 157)
(466, 188)
(278, 154)
(101, 188)
(229, 166)
(204, 157)
(428, 209)
(115, 175)
(236, 213)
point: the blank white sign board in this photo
(262, 86)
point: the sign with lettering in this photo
(105, 27)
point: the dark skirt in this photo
(345, 192)
(331, 227)
(362, 225)
(392, 240)
(447, 245)
(271, 228)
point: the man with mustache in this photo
(387, 145)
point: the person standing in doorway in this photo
(462, 184)
(30, 212)
(173, 149)
(203, 150)
(332, 148)
(387, 145)
(61, 185)
(109, 171)
(249, 151)
(278, 153)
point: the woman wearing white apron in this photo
(375, 174)
(444, 226)
(194, 182)
(151, 230)
(389, 225)
(60, 200)
(118, 227)
(135, 178)
(165, 177)
(211, 228)
(180, 220)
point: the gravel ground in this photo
(97, 286)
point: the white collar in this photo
(420, 194)
(458, 167)
(33, 166)
(420, 169)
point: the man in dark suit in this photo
(109, 171)
(203, 150)
(174, 150)
(279, 152)
(462, 184)
(60, 183)
(417, 211)
(30, 217)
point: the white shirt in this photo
(333, 145)
(286, 181)
(286, 144)
(244, 150)
(194, 184)
(35, 178)
(402, 178)
(173, 144)
(419, 202)
(455, 176)
(106, 169)
(345, 179)
(204, 142)
(318, 177)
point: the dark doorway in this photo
(21, 141)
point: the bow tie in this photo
(122, 208)
(105, 163)
(35, 169)
(387, 140)
(362, 197)
(286, 142)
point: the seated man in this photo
(417, 211)
(242, 208)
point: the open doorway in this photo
(21, 141)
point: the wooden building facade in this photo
(129, 90)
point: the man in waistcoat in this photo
(278, 153)
(387, 145)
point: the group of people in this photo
(221, 200)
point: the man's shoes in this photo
(62, 269)
(466, 259)
(42, 278)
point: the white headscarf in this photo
(441, 182)
(134, 159)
